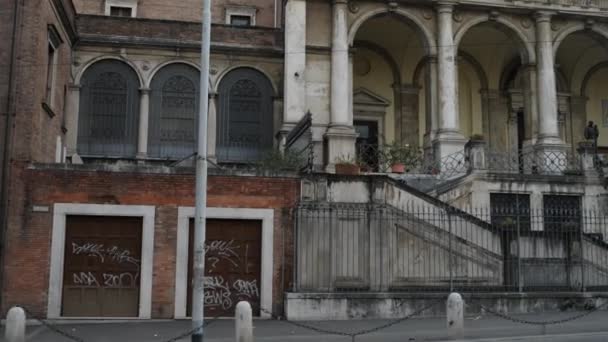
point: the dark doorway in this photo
(367, 144)
(510, 215)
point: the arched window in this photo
(109, 110)
(244, 123)
(173, 112)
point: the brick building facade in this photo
(99, 99)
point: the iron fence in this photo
(562, 162)
(379, 248)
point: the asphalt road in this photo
(488, 328)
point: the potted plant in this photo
(400, 157)
(347, 165)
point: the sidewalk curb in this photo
(528, 337)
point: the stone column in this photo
(548, 130)
(432, 119)
(212, 127)
(449, 139)
(408, 130)
(530, 104)
(295, 63)
(340, 134)
(72, 107)
(578, 110)
(144, 113)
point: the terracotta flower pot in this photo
(398, 168)
(347, 169)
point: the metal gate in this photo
(101, 276)
(233, 254)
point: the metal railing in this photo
(534, 162)
(379, 248)
(376, 158)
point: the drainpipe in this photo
(7, 137)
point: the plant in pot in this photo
(401, 157)
(347, 165)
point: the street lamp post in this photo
(198, 287)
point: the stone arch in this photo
(382, 52)
(509, 73)
(526, 48)
(425, 35)
(481, 74)
(167, 63)
(418, 70)
(215, 87)
(598, 32)
(78, 78)
(589, 74)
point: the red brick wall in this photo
(188, 10)
(29, 234)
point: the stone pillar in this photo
(530, 104)
(408, 129)
(340, 136)
(144, 114)
(295, 63)
(449, 139)
(487, 97)
(432, 119)
(578, 110)
(72, 107)
(212, 127)
(548, 132)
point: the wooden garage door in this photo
(101, 275)
(232, 267)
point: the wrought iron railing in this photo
(299, 144)
(559, 162)
(376, 158)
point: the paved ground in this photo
(592, 328)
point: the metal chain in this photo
(352, 335)
(193, 330)
(51, 326)
(544, 323)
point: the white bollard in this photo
(455, 316)
(15, 325)
(243, 322)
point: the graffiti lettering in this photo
(222, 250)
(85, 278)
(120, 280)
(248, 288)
(217, 292)
(114, 253)
(91, 249)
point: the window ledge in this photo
(47, 108)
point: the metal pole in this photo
(198, 289)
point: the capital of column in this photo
(339, 2)
(144, 91)
(543, 16)
(445, 6)
(74, 86)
